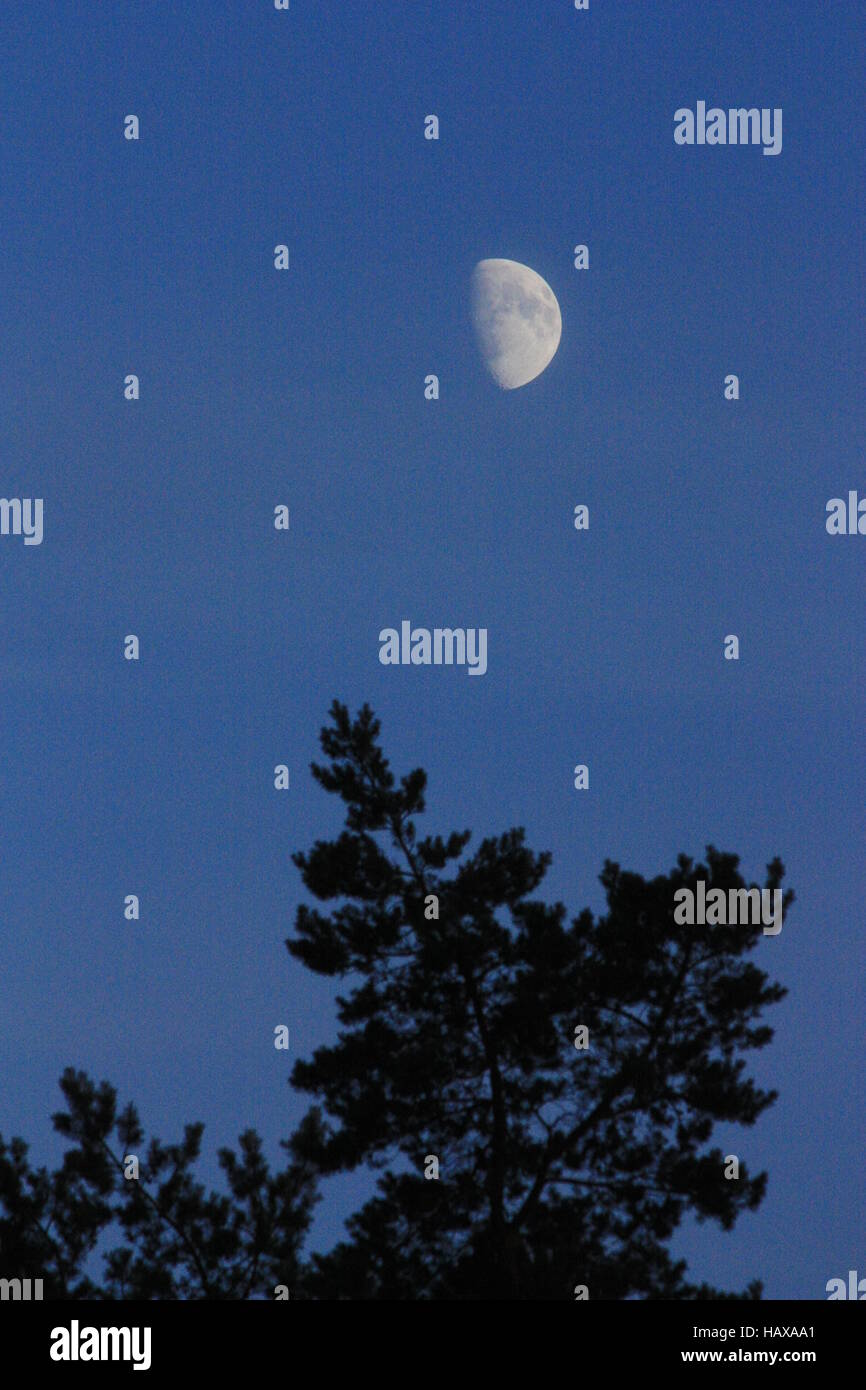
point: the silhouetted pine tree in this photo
(559, 1167)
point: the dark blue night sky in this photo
(605, 647)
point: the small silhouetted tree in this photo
(558, 1166)
(175, 1239)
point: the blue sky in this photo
(605, 647)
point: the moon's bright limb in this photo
(517, 321)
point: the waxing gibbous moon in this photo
(516, 319)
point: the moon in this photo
(516, 319)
